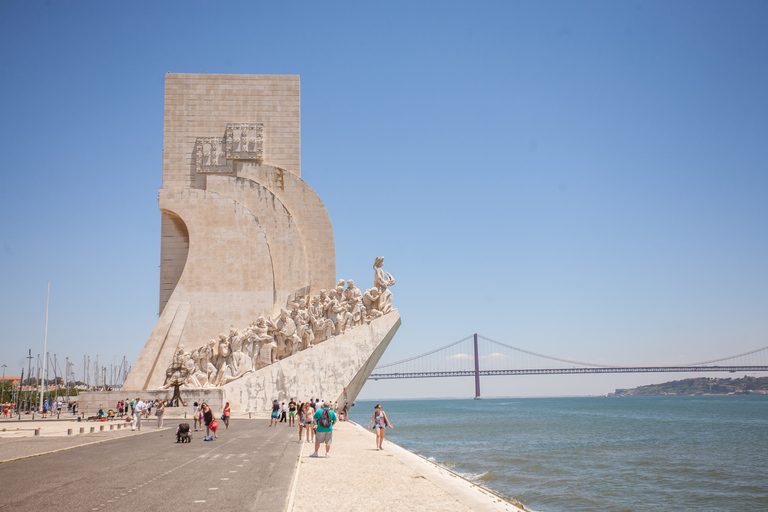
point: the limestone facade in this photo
(243, 236)
(241, 231)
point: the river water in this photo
(596, 453)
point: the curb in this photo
(294, 485)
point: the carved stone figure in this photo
(260, 335)
(356, 311)
(383, 280)
(285, 335)
(304, 330)
(206, 367)
(371, 301)
(223, 371)
(322, 328)
(299, 326)
(177, 373)
(352, 292)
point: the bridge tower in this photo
(477, 372)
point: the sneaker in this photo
(314, 455)
(327, 455)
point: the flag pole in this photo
(45, 342)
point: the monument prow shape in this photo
(250, 308)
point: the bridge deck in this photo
(552, 371)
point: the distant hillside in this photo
(701, 386)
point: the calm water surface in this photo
(597, 453)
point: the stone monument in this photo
(250, 308)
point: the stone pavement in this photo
(250, 467)
(359, 477)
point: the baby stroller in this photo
(182, 433)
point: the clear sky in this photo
(587, 180)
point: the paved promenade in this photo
(250, 467)
(359, 477)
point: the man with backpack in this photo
(325, 419)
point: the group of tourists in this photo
(52, 407)
(287, 413)
(8, 409)
(137, 409)
(316, 418)
(202, 414)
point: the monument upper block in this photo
(205, 105)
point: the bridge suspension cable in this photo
(759, 355)
(541, 355)
(425, 354)
(463, 358)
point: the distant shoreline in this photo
(700, 387)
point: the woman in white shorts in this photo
(307, 421)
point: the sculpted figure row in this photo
(302, 324)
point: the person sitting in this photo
(110, 415)
(101, 414)
(182, 433)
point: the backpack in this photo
(325, 418)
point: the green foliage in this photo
(701, 385)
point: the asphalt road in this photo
(250, 467)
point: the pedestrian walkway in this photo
(250, 467)
(362, 478)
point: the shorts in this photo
(324, 437)
(275, 414)
(291, 414)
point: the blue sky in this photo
(586, 180)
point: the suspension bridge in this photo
(477, 356)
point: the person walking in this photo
(225, 416)
(208, 420)
(138, 410)
(196, 416)
(292, 413)
(380, 422)
(159, 413)
(283, 413)
(275, 413)
(325, 419)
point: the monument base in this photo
(334, 370)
